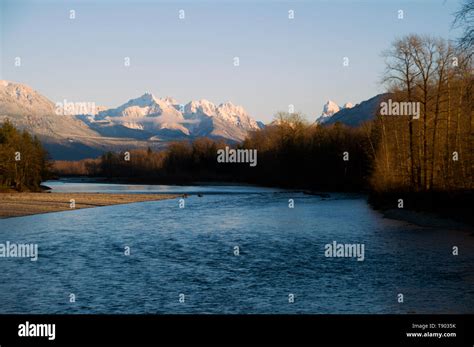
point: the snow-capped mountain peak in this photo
(146, 99)
(201, 106)
(198, 118)
(329, 109)
(24, 98)
(348, 105)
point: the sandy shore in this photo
(23, 204)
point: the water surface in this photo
(190, 251)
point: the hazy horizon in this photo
(282, 61)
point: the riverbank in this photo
(427, 220)
(440, 209)
(24, 204)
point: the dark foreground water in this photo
(190, 251)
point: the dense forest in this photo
(23, 161)
(291, 153)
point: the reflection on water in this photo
(190, 251)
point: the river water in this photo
(235, 249)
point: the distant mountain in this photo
(329, 109)
(139, 123)
(29, 110)
(355, 115)
(226, 120)
(166, 119)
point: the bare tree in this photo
(464, 18)
(431, 71)
(401, 74)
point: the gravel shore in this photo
(23, 204)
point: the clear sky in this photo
(282, 61)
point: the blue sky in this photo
(282, 61)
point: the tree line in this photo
(291, 153)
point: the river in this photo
(234, 249)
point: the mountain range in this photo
(146, 121)
(71, 131)
(164, 119)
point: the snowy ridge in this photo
(329, 109)
(196, 118)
